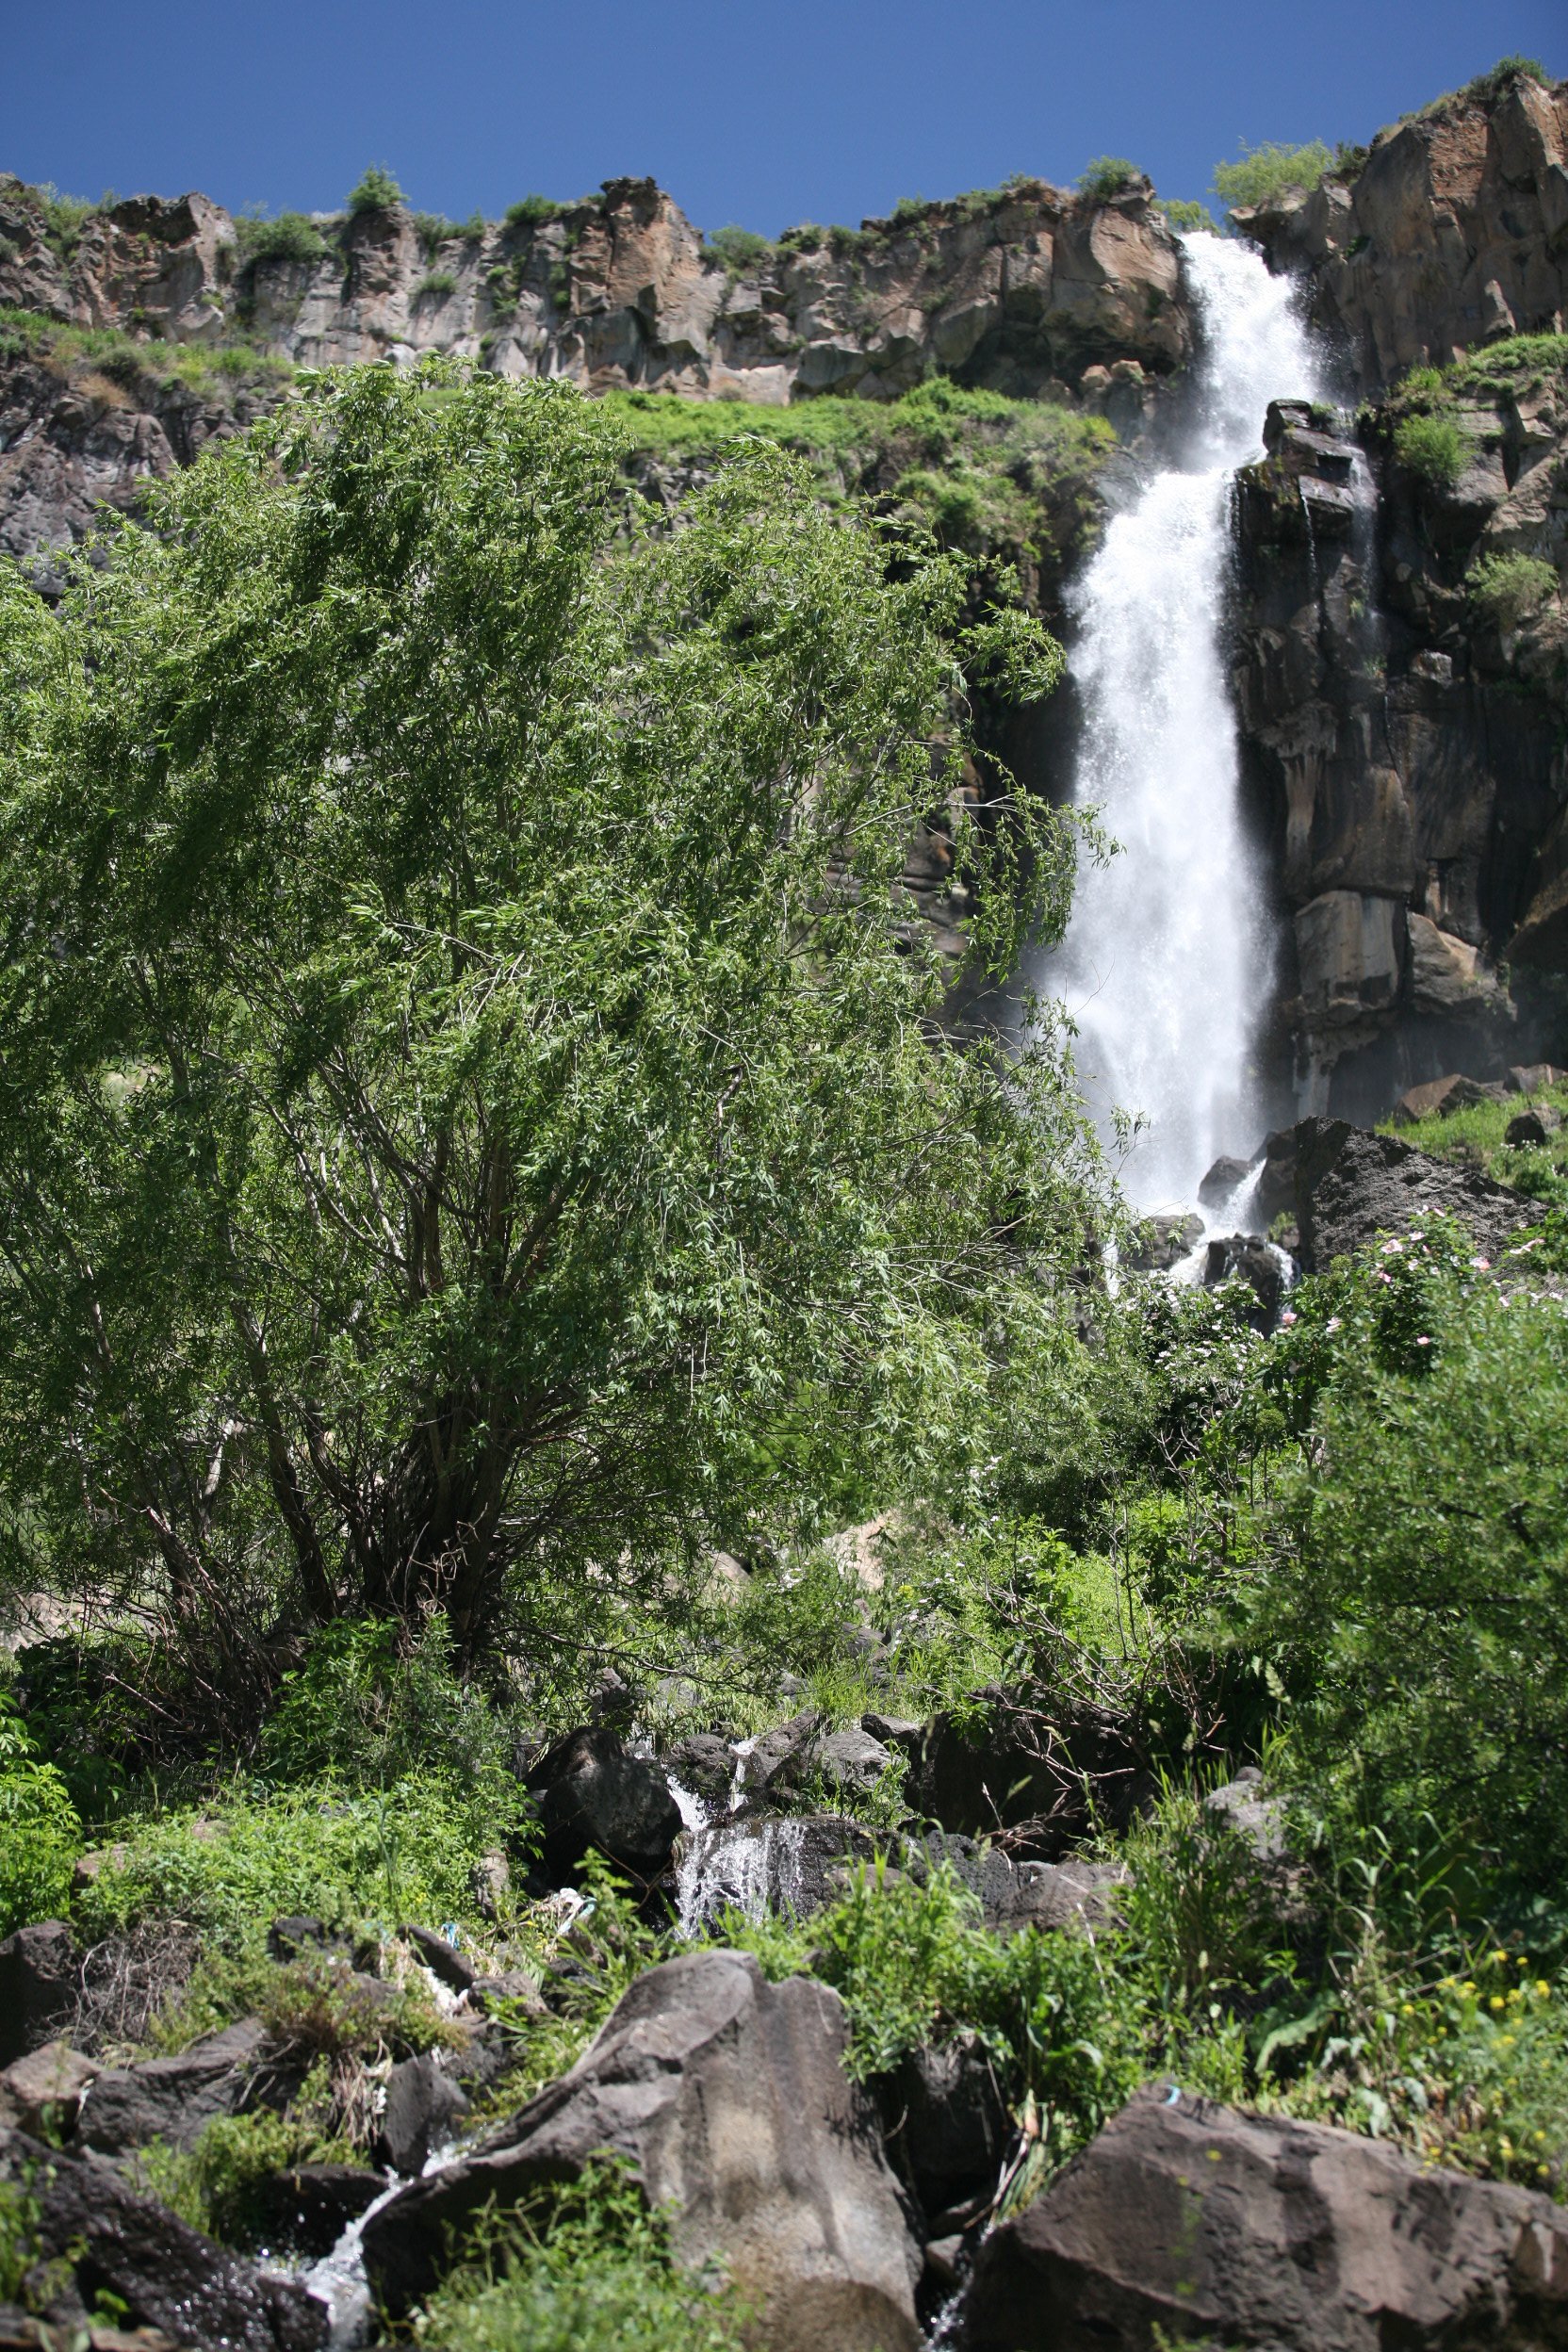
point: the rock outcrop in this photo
(1188, 2218)
(1028, 289)
(1344, 1187)
(1453, 231)
(1401, 679)
(729, 2097)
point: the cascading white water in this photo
(1165, 965)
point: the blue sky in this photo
(801, 110)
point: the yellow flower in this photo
(1496, 2001)
(1542, 1990)
(1501, 1959)
(1407, 2008)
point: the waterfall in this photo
(1165, 962)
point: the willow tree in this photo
(471, 1111)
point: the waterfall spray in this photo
(1166, 964)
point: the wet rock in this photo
(165, 2275)
(945, 2121)
(45, 2087)
(1238, 2230)
(595, 1797)
(729, 2096)
(307, 2208)
(424, 2106)
(792, 1865)
(778, 1758)
(1248, 1258)
(38, 1985)
(1222, 1180)
(172, 2098)
(703, 1763)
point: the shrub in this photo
(1266, 171)
(292, 237)
(1184, 212)
(739, 249)
(1433, 449)
(376, 191)
(407, 1852)
(1508, 588)
(213, 2184)
(1108, 175)
(40, 1834)
(438, 283)
(530, 212)
(585, 2264)
(373, 1704)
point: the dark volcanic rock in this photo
(167, 2275)
(1159, 1242)
(595, 1797)
(1030, 1767)
(946, 2122)
(1345, 1185)
(307, 2208)
(729, 2094)
(1222, 1180)
(38, 1986)
(423, 2108)
(704, 1764)
(172, 2098)
(1241, 2230)
(1248, 1258)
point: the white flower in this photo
(1333, 1323)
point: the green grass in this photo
(1431, 447)
(207, 369)
(1474, 1136)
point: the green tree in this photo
(473, 1109)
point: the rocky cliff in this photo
(1452, 229)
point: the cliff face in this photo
(1454, 231)
(1401, 678)
(1031, 291)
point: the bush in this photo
(374, 1703)
(530, 212)
(585, 2264)
(40, 1834)
(1266, 171)
(213, 2184)
(437, 284)
(1509, 588)
(1433, 449)
(1186, 213)
(407, 1852)
(1107, 177)
(1411, 1591)
(739, 249)
(376, 191)
(292, 237)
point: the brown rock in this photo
(48, 2081)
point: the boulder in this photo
(1222, 1180)
(851, 1759)
(1193, 2219)
(167, 2275)
(442, 1957)
(945, 2123)
(38, 1986)
(172, 2098)
(423, 2108)
(1257, 1818)
(729, 2096)
(1160, 1242)
(45, 2087)
(1247, 1257)
(1438, 1096)
(1032, 1765)
(1532, 1126)
(595, 1797)
(1345, 1186)
(1534, 1077)
(704, 1764)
